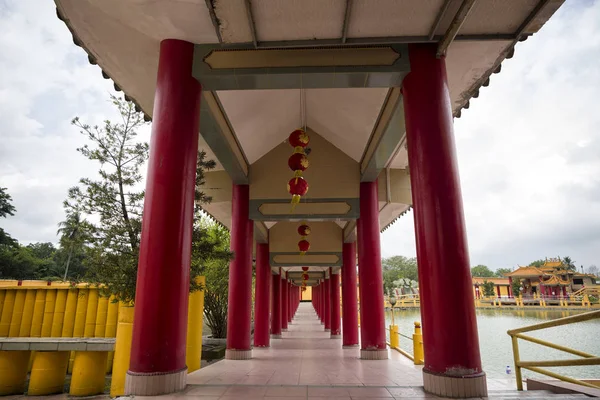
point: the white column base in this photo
(283, 329)
(231, 354)
(350, 346)
(456, 387)
(327, 330)
(275, 336)
(155, 384)
(335, 336)
(381, 354)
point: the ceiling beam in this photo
(251, 22)
(214, 19)
(261, 232)
(438, 18)
(388, 135)
(349, 233)
(220, 137)
(346, 20)
(452, 31)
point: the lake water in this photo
(496, 347)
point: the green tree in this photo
(516, 287)
(488, 288)
(537, 263)
(6, 207)
(398, 267)
(501, 271)
(481, 271)
(569, 263)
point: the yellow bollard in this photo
(59, 313)
(2, 295)
(17, 314)
(25, 327)
(7, 311)
(48, 313)
(394, 337)
(48, 373)
(38, 313)
(13, 371)
(69, 316)
(79, 323)
(100, 325)
(90, 316)
(111, 329)
(88, 373)
(418, 352)
(193, 353)
(122, 351)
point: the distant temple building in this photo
(551, 279)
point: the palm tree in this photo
(569, 264)
(70, 231)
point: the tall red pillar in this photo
(290, 303)
(327, 308)
(284, 302)
(334, 289)
(157, 364)
(240, 277)
(450, 337)
(276, 307)
(261, 296)
(349, 296)
(372, 317)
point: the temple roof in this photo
(497, 281)
(527, 271)
(554, 280)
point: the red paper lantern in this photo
(297, 187)
(304, 230)
(299, 138)
(303, 246)
(304, 269)
(298, 162)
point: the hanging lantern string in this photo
(303, 109)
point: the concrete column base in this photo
(154, 384)
(283, 329)
(327, 330)
(335, 336)
(275, 336)
(350, 346)
(231, 354)
(381, 354)
(456, 387)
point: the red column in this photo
(261, 296)
(240, 277)
(157, 364)
(372, 318)
(276, 307)
(334, 289)
(317, 292)
(327, 298)
(349, 296)
(450, 337)
(290, 301)
(284, 302)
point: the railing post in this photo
(418, 352)
(394, 338)
(519, 378)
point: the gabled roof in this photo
(554, 280)
(527, 271)
(497, 281)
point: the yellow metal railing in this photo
(417, 338)
(588, 359)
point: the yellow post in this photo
(48, 313)
(38, 313)
(111, 329)
(122, 351)
(394, 337)
(88, 373)
(48, 373)
(13, 371)
(17, 314)
(70, 313)
(100, 325)
(59, 312)
(418, 352)
(25, 327)
(79, 323)
(7, 311)
(519, 378)
(193, 353)
(90, 316)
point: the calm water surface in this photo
(495, 344)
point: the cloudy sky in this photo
(528, 147)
